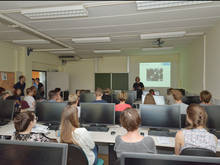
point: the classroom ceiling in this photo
(119, 20)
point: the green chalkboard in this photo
(120, 81)
(103, 80)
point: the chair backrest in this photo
(198, 152)
(76, 156)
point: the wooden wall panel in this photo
(9, 83)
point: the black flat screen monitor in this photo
(213, 112)
(7, 109)
(132, 97)
(32, 153)
(49, 111)
(87, 97)
(160, 116)
(159, 159)
(97, 113)
(191, 100)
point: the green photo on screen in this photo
(155, 74)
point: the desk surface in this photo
(105, 137)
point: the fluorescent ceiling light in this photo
(39, 41)
(142, 5)
(162, 35)
(159, 48)
(55, 12)
(106, 51)
(63, 52)
(91, 40)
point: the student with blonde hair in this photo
(71, 133)
(122, 105)
(177, 95)
(205, 97)
(195, 135)
(149, 99)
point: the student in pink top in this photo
(122, 105)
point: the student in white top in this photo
(177, 95)
(71, 133)
(30, 99)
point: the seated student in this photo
(195, 135)
(132, 141)
(169, 98)
(99, 94)
(149, 99)
(72, 134)
(53, 97)
(122, 105)
(107, 95)
(23, 123)
(16, 96)
(30, 99)
(151, 91)
(205, 97)
(177, 95)
(58, 92)
(5, 95)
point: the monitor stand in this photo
(161, 132)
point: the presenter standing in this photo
(139, 87)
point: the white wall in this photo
(213, 61)
(191, 66)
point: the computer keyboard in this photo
(53, 127)
(2, 123)
(161, 133)
(97, 129)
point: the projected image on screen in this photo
(155, 74)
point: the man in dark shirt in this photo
(139, 87)
(20, 84)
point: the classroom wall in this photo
(213, 61)
(82, 72)
(14, 59)
(191, 66)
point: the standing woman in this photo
(139, 87)
(72, 134)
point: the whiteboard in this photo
(57, 80)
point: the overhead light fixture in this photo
(106, 51)
(63, 52)
(159, 48)
(143, 5)
(26, 42)
(162, 35)
(91, 40)
(55, 12)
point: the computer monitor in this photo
(163, 159)
(7, 109)
(32, 153)
(87, 97)
(191, 100)
(132, 97)
(97, 113)
(159, 100)
(49, 111)
(160, 116)
(213, 112)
